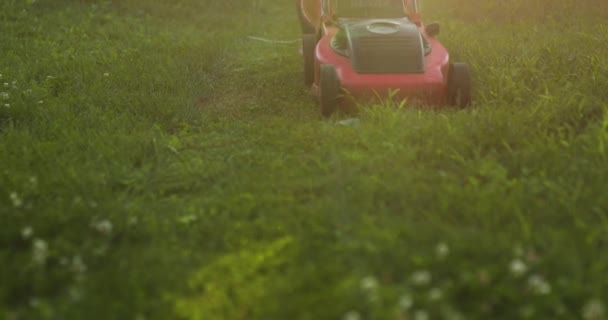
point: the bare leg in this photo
(304, 24)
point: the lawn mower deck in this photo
(380, 50)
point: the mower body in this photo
(378, 66)
(376, 50)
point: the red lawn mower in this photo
(360, 50)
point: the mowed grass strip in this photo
(155, 163)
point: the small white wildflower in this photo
(106, 74)
(406, 302)
(40, 251)
(352, 315)
(16, 199)
(442, 250)
(435, 294)
(131, 221)
(518, 268)
(101, 250)
(527, 312)
(369, 283)
(518, 251)
(7, 105)
(104, 227)
(594, 310)
(5, 95)
(34, 302)
(350, 122)
(450, 313)
(77, 200)
(27, 232)
(421, 315)
(559, 310)
(421, 278)
(6, 84)
(75, 294)
(41, 102)
(539, 285)
(78, 265)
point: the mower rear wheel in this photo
(329, 89)
(309, 44)
(459, 85)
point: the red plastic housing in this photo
(428, 88)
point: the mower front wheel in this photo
(309, 44)
(329, 89)
(459, 85)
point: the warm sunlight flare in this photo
(303, 159)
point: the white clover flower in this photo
(435, 294)
(34, 302)
(406, 302)
(539, 285)
(450, 313)
(40, 251)
(518, 268)
(27, 232)
(104, 227)
(131, 221)
(78, 265)
(518, 251)
(421, 315)
(16, 199)
(352, 315)
(64, 261)
(442, 250)
(369, 283)
(594, 310)
(421, 278)
(75, 294)
(527, 312)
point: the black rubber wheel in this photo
(304, 24)
(329, 89)
(459, 85)
(309, 44)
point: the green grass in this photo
(157, 164)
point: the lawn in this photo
(157, 163)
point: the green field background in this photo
(156, 163)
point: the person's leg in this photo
(304, 23)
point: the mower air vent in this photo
(386, 46)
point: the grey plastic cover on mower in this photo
(382, 45)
